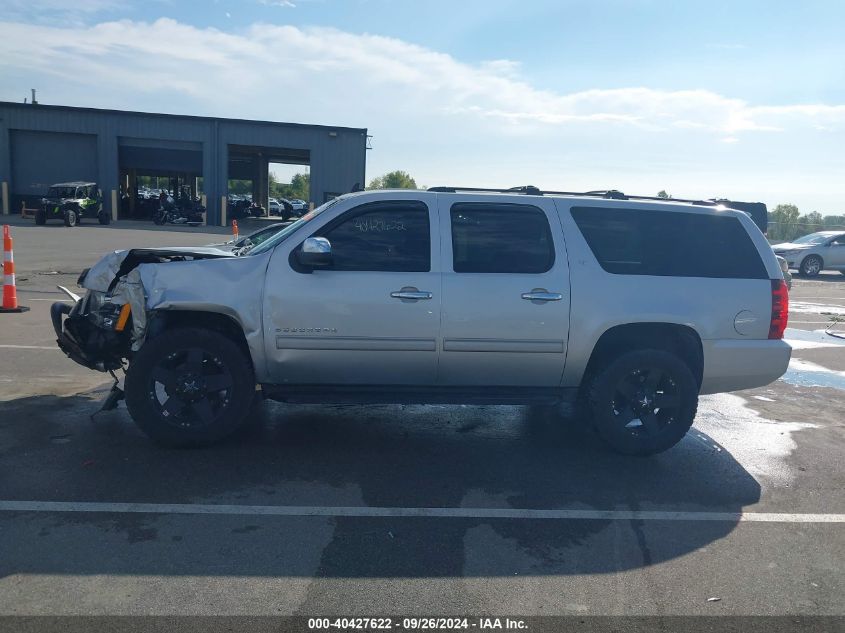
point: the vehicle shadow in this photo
(340, 456)
(827, 276)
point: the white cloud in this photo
(421, 79)
(430, 111)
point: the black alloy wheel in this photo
(646, 401)
(190, 387)
(643, 402)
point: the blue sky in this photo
(742, 99)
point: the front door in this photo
(835, 256)
(505, 314)
(373, 317)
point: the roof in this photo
(189, 117)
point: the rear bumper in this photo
(731, 365)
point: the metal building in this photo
(43, 144)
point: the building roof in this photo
(39, 106)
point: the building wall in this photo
(338, 155)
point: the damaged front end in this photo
(109, 323)
(96, 333)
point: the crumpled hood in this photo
(118, 263)
(197, 278)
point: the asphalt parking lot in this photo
(427, 510)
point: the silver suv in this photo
(625, 309)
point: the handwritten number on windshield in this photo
(377, 225)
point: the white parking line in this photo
(387, 512)
(29, 347)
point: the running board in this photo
(393, 394)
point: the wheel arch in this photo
(221, 323)
(681, 340)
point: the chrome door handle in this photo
(541, 296)
(410, 294)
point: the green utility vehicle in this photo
(71, 202)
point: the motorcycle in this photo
(190, 214)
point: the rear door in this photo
(505, 310)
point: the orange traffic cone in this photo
(234, 230)
(10, 295)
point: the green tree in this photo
(394, 180)
(662, 194)
(811, 222)
(783, 222)
(834, 221)
(299, 187)
(240, 186)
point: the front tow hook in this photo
(57, 311)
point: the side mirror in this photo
(316, 252)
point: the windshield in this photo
(62, 192)
(280, 237)
(813, 238)
(259, 236)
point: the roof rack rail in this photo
(610, 194)
(531, 190)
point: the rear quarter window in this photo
(665, 243)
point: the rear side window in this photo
(382, 236)
(663, 243)
(500, 238)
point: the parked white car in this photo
(628, 309)
(814, 253)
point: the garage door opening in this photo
(267, 181)
(289, 189)
(153, 170)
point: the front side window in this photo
(382, 236)
(500, 238)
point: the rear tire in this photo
(104, 218)
(40, 217)
(189, 387)
(643, 402)
(811, 266)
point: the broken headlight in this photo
(104, 314)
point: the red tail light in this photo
(780, 309)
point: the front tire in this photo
(104, 218)
(189, 387)
(71, 217)
(643, 402)
(811, 266)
